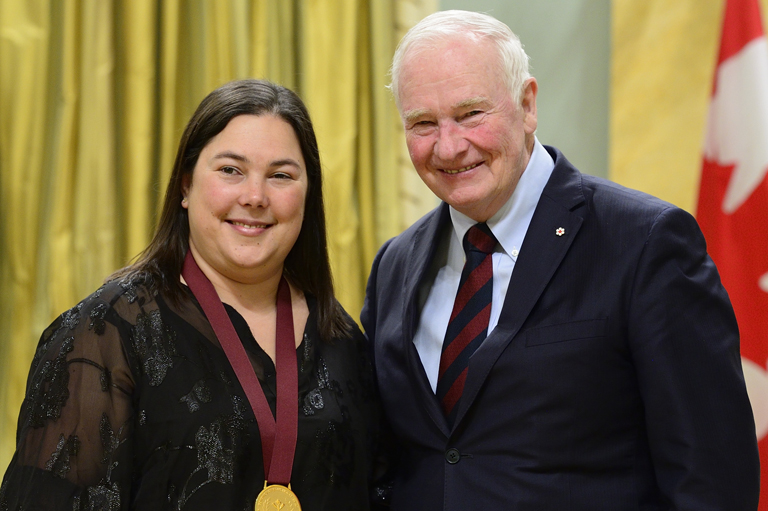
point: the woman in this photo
(133, 404)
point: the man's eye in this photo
(422, 124)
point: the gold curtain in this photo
(662, 66)
(93, 97)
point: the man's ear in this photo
(528, 104)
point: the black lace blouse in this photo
(132, 404)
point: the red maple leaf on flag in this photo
(733, 196)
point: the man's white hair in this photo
(512, 60)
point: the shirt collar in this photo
(511, 221)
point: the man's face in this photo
(468, 138)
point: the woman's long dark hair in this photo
(307, 265)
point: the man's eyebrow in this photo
(470, 102)
(412, 115)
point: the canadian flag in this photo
(733, 195)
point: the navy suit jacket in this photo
(612, 382)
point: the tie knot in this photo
(479, 237)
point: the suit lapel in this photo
(422, 252)
(544, 248)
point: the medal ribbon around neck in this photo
(278, 438)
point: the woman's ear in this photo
(186, 181)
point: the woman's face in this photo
(246, 199)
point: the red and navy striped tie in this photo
(468, 325)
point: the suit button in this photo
(452, 456)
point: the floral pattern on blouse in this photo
(132, 405)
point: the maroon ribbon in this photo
(278, 438)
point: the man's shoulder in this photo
(421, 230)
(607, 191)
(600, 192)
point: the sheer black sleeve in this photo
(75, 424)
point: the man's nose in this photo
(450, 142)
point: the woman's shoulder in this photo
(115, 303)
(351, 346)
(136, 289)
(349, 334)
(128, 297)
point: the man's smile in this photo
(464, 169)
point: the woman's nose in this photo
(254, 193)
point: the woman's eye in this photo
(229, 170)
(281, 175)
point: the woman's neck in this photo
(257, 293)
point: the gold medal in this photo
(277, 497)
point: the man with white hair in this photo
(544, 340)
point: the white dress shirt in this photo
(509, 225)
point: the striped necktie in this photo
(468, 325)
